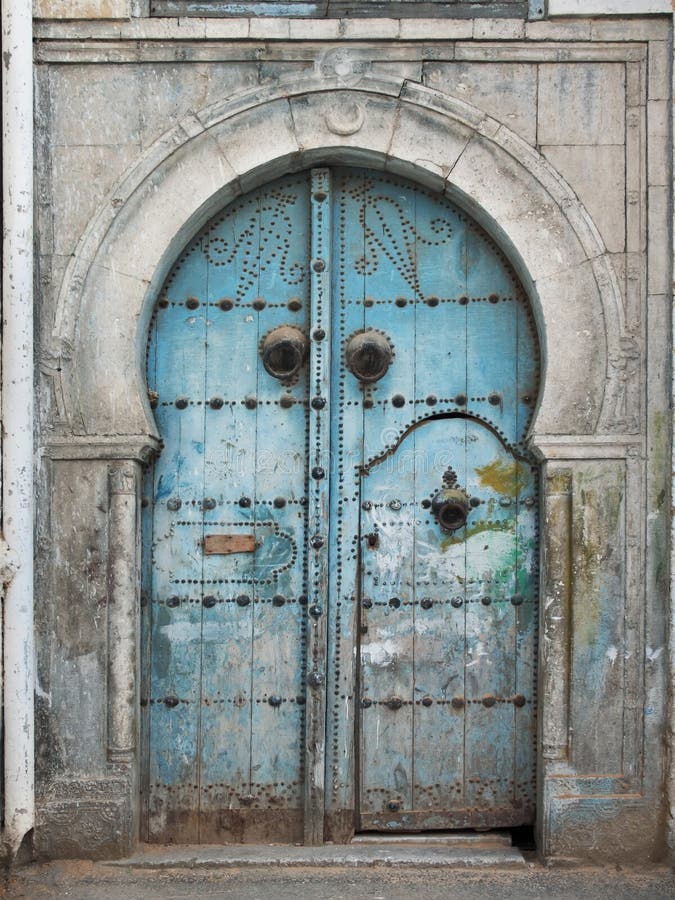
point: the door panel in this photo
(445, 656)
(226, 689)
(357, 654)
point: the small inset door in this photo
(341, 539)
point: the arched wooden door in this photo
(340, 610)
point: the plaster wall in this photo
(556, 136)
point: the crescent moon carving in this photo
(348, 122)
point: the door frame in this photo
(587, 412)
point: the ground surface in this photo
(96, 881)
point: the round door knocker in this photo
(284, 351)
(450, 508)
(368, 355)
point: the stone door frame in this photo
(589, 409)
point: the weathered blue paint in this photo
(354, 652)
(459, 395)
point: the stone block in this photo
(558, 31)
(658, 149)
(267, 29)
(98, 168)
(659, 254)
(581, 103)
(658, 83)
(506, 91)
(369, 29)
(345, 120)
(498, 29)
(95, 105)
(597, 176)
(436, 29)
(441, 147)
(82, 9)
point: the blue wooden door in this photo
(341, 528)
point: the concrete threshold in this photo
(438, 851)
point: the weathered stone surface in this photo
(581, 104)
(82, 9)
(506, 91)
(597, 176)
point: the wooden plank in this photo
(319, 464)
(224, 544)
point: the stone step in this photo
(358, 854)
(486, 839)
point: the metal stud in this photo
(318, 473)
(460, 400)
(394, 702)
(318, 334)
(278, 600)
(398, 400)
(244, 502)
(274, 700)
(393, 805)
(486, 601)
(475, 501)
(519, 700)
(181, 402)
(427, 701)
(431, 400)
(208, 503)
(366, 703)
(286, 401)
(226, 304)
(251, 402)
(315, 610)
(315, 679)
(243, 600)
(494, 399)
(173, 602)
(457, 602)
(171, 701)
(432, 301)
(517, 599)
(294, 304)
(395, 505)
(318, 402)
(367, 603)
(258, 304)
(317, 542)
(174, 504)
(489, 700)
(279, 502)
(209, 601)
(457, 702)
(426, 603)
(366, 505)
(216, 402)
(318, 265)
(192, 303)
(395, 602)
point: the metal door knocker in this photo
(450, 506)
(368, 355)
(284, 351)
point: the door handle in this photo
(368, 355)
(450, 508)
(284, 351)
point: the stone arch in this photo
(216, 154)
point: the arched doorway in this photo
(341, 542)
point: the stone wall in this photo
(556, 136)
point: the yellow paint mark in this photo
(504, 477)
